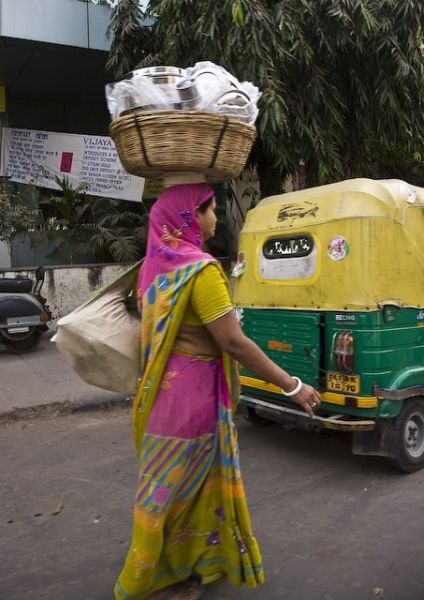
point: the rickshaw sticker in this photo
(240, 266)
(338, 248)
(347, 319)
(280, 346)
(293, 211)
(239, 312)
(410, 194)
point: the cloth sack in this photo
(101, 338)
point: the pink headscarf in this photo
(174, 238)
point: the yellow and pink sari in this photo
(190, 514)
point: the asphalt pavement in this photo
(331, 526)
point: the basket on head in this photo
(152, 143)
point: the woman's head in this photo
(206, 218)
(184, 212)
(180, 220)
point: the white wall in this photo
(4, 255)
(67, 287)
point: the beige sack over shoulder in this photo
(101, 339)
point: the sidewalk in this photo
(41, 383)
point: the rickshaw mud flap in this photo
(381, 441)
(284, 414)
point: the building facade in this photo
(52, 65)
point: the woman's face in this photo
(207, 220)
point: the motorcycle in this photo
(24, 313)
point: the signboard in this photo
(37, 157)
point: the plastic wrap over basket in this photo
(101, 338)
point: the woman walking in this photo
(191, 525)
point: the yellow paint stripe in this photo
(259, 384)
(361, 402)
(330, 397)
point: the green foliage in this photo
(237, 13)
(342, 80)
(87, 222)
(128, 37)
(15, 218)
(399, 165)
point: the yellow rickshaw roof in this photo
(381, 223)
(353, 198)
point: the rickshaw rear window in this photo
(296, 246)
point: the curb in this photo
(59, 409)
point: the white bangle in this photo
(296, 389)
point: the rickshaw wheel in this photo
(409, 437)
(250, 415)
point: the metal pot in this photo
(233, 99)
(188, 93)
(159, 72)
(166, 78)
(215, 77)
(161, 75)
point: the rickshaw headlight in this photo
(343, 351)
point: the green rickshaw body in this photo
(331, 286)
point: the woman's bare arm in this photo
(229, 336)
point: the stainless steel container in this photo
(160, 72)
(235, 104)
(166, 78)
(188, 93)
(233, 98)
(161, 75)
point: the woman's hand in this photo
(229, 337)
(308, 398)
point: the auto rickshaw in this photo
(330, 284)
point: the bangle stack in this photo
(296, 389)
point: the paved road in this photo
(41, 380)
(331, 526)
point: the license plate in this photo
(341, 382)
(18, 330)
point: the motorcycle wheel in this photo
(19, 343)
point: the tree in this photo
(342, 80)
(77, 221)
(15, 218)
(129, 37)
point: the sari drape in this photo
(190, 513)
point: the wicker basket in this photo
(153, 143)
